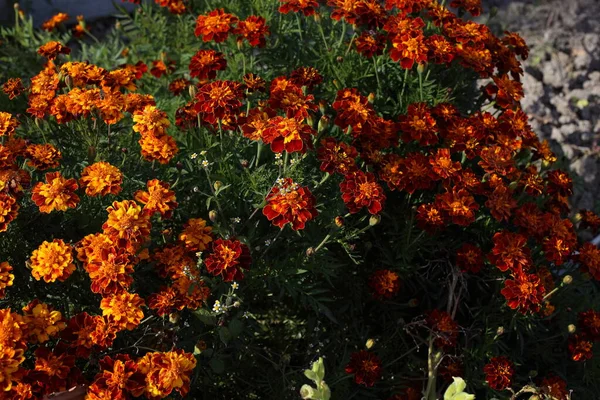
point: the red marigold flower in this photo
(306, 76)
(216, 25)
(501, 203)
(499, 373)
(451, 367)
(256, 122)
(159, 68)
(290, 98)
(288, 134)
(418, 124)
(472, 6)
(13, 88)
(163, 302)
(365, 366)
(559, 182)
(580, 348)
(205, 64)
(506, 90)
(218, 100)
(337, 156)
(409, 46)
(384, 283)
(369, 45)
(589, 219)
(111, 272)
(289, 203)
(360, 190)
(459, 205)
(52, 49)
(444, 327)
(510, 252)
(228, 258)
(353, 109)
(406, 7)
(516, 42)
(123, 309)
(362, 12)
(497, 159)
(441, 51)
(589, 258)
(176, 7)
(430, 218)
(178, 86)
(53, 367)
(554, 387)
(159, 198)
(306, 7)
(254, 83)
(166, 372)
(469, 258)
(253, 29)
(57, 193)
(589, 323)
(524, 292)
(442, 164)
(9, 209)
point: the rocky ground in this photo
(562, 81)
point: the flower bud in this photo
(179, 165)
(500, 331)
(571, 328)
(322, 106)
(212, 215)
(421, 68)
(124, 150)
(307, 392)
(567, 280)
(309, 121)
(513, 185)
(236, 304)
(192, 91)
(323, 123)
(413, 302)
(577, 218)
(217, 185)
(339, 221)
(339, 59)
(174, 318)
(310, 252)
(370, 343)
(371, 97)
(374, 220)
(244, 163)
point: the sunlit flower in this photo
(166, 372)
(52, 49)
(253, 29)
(290, 203)
(205, 64)
(6, 278)
(57, 193)
(52, 261)
(54, 21)
(159, 198)
(126, 220)
(124, 309)
(43, 156)
(101, 179)
(43, 322)
(9, 209)
(215, 26)
(228, 258)
(196, 235)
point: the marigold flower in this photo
(442, 164)
(501, 203)
(445, 328)
(218, 100)
(472, 6)
(7, 124)
(510, 252)
(176, 7)
(306, 76)
(43, 156)
(124, 309)
(337, 157)
(580, 348)
(289, 97)
(158, 148)
(409, 47)
(589, 258)
(57, 193)
(290, 203)
(52, 261)
(441, 51)
(498, 160)
(159, 68)
(100, 179)
(256, 122)
(384, 283)
(418, 124)
(166, 372)
(150, 120)
(205, 64)
(13, 88)
(417, 173)
(9, 209)
(10, 360)
(216, 25)
(590, 220)
(52, 49)
(288, 134)
(369, 45)
(110, 272)
(499, 373)
(54, 21)
(469, 258)
(127, 221)
(196, 235)
(524, 292)
(173, 261)
(430, 218)
(163, 302)
(362, 190)
(306, 7)
(554, 387)
(559, 182)
(254, 83)
(253, 29)
(228, 258)
(178, 86)
(42, 321)
(159, 198)
(119, 376)
(365, 366)
(6, 278)
(362, 12)
(134, 102)
(353, 110)
(506, 90)
(459, 205)
(589, 323)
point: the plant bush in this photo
(225, 199)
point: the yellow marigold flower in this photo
(11, 330)
(124, 309)
(159, 198)
(196, 235)
(90, 247)
(111, 107)
(7, 124)
(166, 372)
(43, 156)
(10, 359)
(101, 179)
(6, 278)
(83, 101)
(57, 193)
(150, 120)
(8, 210)
(52, 261)
(162, 148)
(127, 221)
(42, 321)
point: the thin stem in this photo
(325, 239)
(404, 84)
(323, 36)
(376, 73)
(299, 26)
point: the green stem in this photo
(299, 26)
(376, 73)
(323, 242)
(259, 147)
(323, 36)
(403, 84)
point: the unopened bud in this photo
(571, 328)
(577, 218)
(533, 373)
(236, 304)
(421, 68)
(68, 81)
(192, 90)
(371, 97)
(568, 279)
(339, 221)
(244, 163)
(307, 392)
(309, 121)
(124, 150)
(179, 165)
(322, 106)
(212, 215)
(317, 17)
(370, 343)
(173, 318)
(374, 219)
(500, 331)
(413, 302)
(118, 25)
(310, 252)
(339, 59)
(513, 185)
(217, 185)
(323, 124)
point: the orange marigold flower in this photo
(42, 321)
(173, 261)
(354, 110)
(253, 29)
(110, 272)
(163, 302)
(7, 124)
(362, 12)
(158, 148)
(57, 193)
(89, 248)
(159, 68)
(218, 100)
(191, 292)
(196, 235)
(166, 372)
(124, 309)
(255, 123)
(288, 134)
(444, 327)
(159, 198)
(127, 221)
(469, 258)
(6, 278)
(442, 164)
(384, 283)
(178, 86)
(369, 45)
(134, 102)
(205, 64)
(337, 156)
(409, 47)
(472, 6)
(580, 348)
(459, 205)
(150, 120)
(228, 258)
(589, 258)
(418, 124)
(441, 51)
(430, 218)
(289, 97)
(176, 7)
(52, 49)
(362, 190)
(499, 373)
(306, 7)
(554, 387)
(524, 292)
(365, 366)
(289, 203)
(9, 209)
(510, 252)
(43, 156)
(54, 21)
(254, 83)
(100, 179)
(104, 331)
(216, 25)
(589, 323)
(13, 88)
(52, 261)
(20, 391)
(118, 376)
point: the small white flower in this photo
(199, 254)
(279, 181)
(268, 242)
(235, 286)
(205, 163)
(293, 161)
(193, 156)
(236, 220)
(217, 307)
(278, 156)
